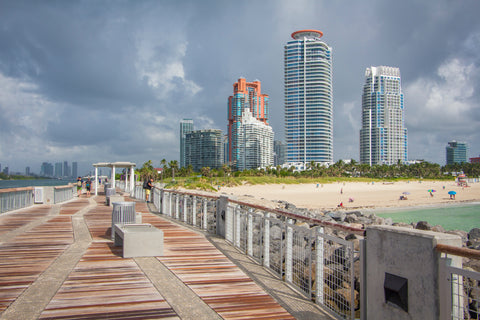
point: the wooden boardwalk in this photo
(100, 284)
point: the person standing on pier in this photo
(148, 185)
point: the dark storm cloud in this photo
(110, 80)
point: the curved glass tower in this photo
(308, 98)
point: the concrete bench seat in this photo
(139, 240)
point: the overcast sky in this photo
(94, 81)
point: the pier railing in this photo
(63, 193)
(297, 249)
(15, 198)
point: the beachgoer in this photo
(79, 186)
(88, 184)
(148, 185)
(431, 194)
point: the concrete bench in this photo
(139, 240)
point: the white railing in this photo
(64, 193)
(459, 287)
(15, 198)
(319, 265)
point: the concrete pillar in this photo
(223, 217)
(402, 272)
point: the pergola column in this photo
(96, 181)
(132, 181)
(113, 176)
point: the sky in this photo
(106, 81)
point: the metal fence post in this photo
(250, 233)
(185, 209)
(237, 226)
(194, 211)
(266, 240)
(289, 252)
(205, 215)
(177, 206)
(363, 277)
(319, 268)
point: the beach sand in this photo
(365, 195)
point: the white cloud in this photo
(444, 99)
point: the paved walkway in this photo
(58, 262)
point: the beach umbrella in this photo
(431, 190)
(406, 192)
(452, 192)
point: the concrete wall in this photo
(408, 256)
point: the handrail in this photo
(284, 213)
(15, 189)
(63, 187)
(462, 252)
(300, 217)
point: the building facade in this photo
(255, 143)
(308, 98)
(383, 136)
(279, 153)
(456, 152)
(186, 125)
(204, 148)
(246, 95)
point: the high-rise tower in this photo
(308, 98)
(186, 126)
(246, 95)
(383, 136)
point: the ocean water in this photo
(5, 184)
(450, 217)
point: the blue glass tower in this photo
(308, 98)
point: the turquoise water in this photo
(450, 217)
(4, 184)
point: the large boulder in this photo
(423, 225)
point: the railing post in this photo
(194, 211)
(177, 206)
(266, 240)
(205, 214)
(319, 268)
(185, 209)
(250, 233)
(289, 252)
(363, 279)
(237, 226)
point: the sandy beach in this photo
(364, 195)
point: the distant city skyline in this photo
(136, 68)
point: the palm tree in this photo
(173, 165)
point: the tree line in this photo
(423, 170)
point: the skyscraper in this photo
(279, 153)
(255, 143)
(383, 136)
(246, 95)
(204, 148)
(74, 169)
(186, 125)
(308, 98)
(456, 152)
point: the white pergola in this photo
(129, 185)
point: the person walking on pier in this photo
(88, 185)
(79, 186)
